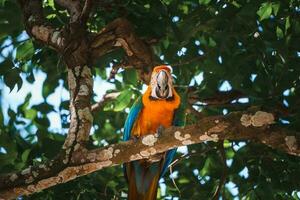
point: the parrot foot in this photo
(160, 130)
(135, 138)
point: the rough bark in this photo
(255, 127)
(38, 28)
(120, 33)
(219, 98)
(81, 86)
(74, 8)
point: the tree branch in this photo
(120, 33)
(73, 7)
(235, 126)
(78, 13)
(107, 97)
(84, 16)
(224, 99)
(219, 98)
(81, 86)
(37, 27)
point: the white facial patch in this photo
(156, 78)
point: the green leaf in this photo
(184, 8)
(30, 113)
(112, 184)
(236, 4)
(264, 11)
(43, 122)
(30, 78)
(43, 108)
(5, 66)
(166, 43)
(275, 7)
(11, 114)
(204, 2)
(51, 3)
(183, 180)
(25, 50)
(64, 105)
(279, 32)
(12, 78)
(211, 42)
(25, 155)
(130, 76)
(49, 86)
(123, 100)
(287, 24)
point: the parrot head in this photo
(161, 83)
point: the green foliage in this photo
(252, 45)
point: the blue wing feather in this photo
(129, 123)
(131, 118)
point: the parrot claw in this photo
(160, 130)
(135, 138)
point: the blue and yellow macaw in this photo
(158, 106)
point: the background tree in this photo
(235, 62)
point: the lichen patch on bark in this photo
(13, 177)
(116, 152)
(41, 32)
(149, 140)
(212, 137)
(246, 120)
(148, 152)
(218, 128)
(259, 119)
(262, 118)
(291, 143)
(56, 38)
(71, 80)
(85, 114)
(83, 90)
(106, 154)
(26, 171)
(178, 136)
(135, 157)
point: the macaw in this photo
(157, 107)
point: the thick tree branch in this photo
(81, 86)
(37, 27)
(120, 33)
(235, 126)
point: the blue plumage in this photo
(132, 116)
